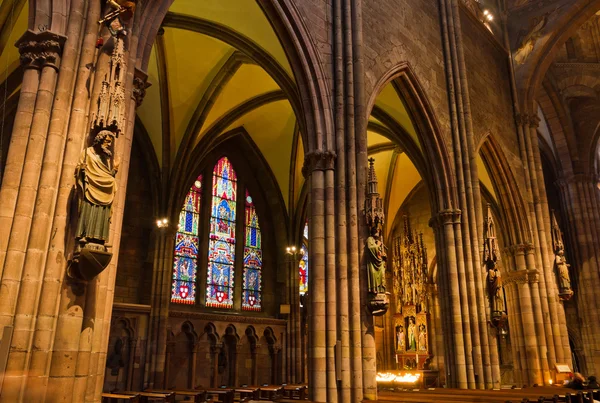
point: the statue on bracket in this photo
(98, 186)
(96, 171)
(378, 300)
(561, 267)
(494, 279)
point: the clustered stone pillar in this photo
(580, 197)
(61, 327)
(549, 316)
(480, 346)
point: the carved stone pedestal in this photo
(89, 260)
(378, 304)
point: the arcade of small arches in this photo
(304, 193)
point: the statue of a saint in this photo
(562, 270)
(97, 185)
(400, 338)
(422, 337)
(376, 258)
(412, 341)
(495, 291)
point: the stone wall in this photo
(489, 89)
(134, 274)
(407, 31)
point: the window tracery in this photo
(221, 244)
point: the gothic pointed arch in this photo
(437, 170)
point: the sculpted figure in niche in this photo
(495, 289)
(400, 338)
(376, 258)
(412, 328)
(97, 185)
(422, 338)
(562, 269)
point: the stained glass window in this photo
(221, 247)
(251, 294)
(183, 286)
(303, 265)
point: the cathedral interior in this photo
(298, 199)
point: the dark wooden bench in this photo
(246, 393)
(295, 392)
(196, 396)
(146, 397)
(224, 395)
(115, 397)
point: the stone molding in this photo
(564, 67)
(522, 277)
(140, 84)
(520, 249)
(227, 318)
(318, 160)
(41, 49)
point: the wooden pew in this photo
(147, 397)
(247, 393)
(270, 392)
(295, 392)
(115, 397)
(197, 396)
(223, 394)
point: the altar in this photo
(413, 379)
(411, 291)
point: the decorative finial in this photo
(373, 204)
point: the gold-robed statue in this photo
(97, 185)
(561, 267)
(376, 256)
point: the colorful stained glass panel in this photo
(251, 287)
(221, 248)
(303, 265)
(183, 286)
(186, 245)
(183, 289)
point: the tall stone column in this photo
(580, 197)
(318, 168)
(445, 225)
(481, 346)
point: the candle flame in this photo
(389, 377)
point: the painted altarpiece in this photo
(411, 319)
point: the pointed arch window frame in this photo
(220, 239)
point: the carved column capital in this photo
(515, 277)
(534, 121)
(522, 118)
(41, 49)
(140, 84)
(520, 249)
(446, 217)
(318, 160)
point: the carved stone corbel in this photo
(140, 84)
